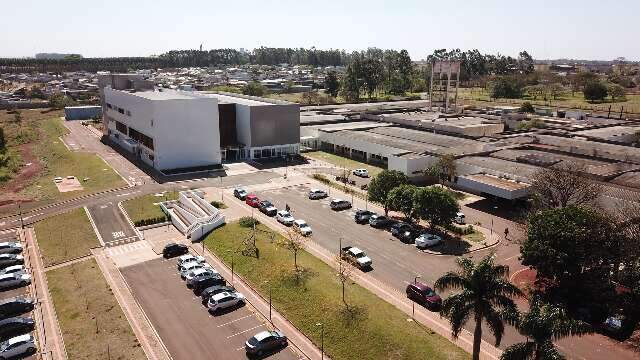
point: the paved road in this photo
(112, 225)
(185, 326)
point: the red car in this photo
(424, 295)
(252, 201)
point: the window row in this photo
(119, 109)
(142, 138)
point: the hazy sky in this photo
(586, 29)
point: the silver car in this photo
(189, 258)
(17, 347)
(198, 272)
(9, 247)
(13, 270)
(14, 280)
(188, 267)
(224, 300)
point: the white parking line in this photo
(232, 321)
(244, 331)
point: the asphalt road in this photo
(112, 224)
(183, 323)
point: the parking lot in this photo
(184, 324)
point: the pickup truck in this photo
(355, 256)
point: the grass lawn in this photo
(93, 325)
(66, 236)
(147, 207)
(58, 161)
(475, 236)
(341, 161)
(369, 328)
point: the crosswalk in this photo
(121, 241)
(127, 248)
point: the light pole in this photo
(321, 339)
(413, 303)
(221, 189)
(269, 284)
(232, 256)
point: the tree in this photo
(526, 107)
(294, 242)
(447, 166)
(509, 87)
(616, 92)
(556, 90)
(344, 271)
(436, 205)
(372, 75)
(351, 83)
(59, 101)
(485, 293)
(563, 185)
(595, 90)
(535, 91)
(311, 97)
(332, 84)
(542, 325)
(525, 62)
(254, 88)
(402, 198)
(382, 184)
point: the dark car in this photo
(267, 208)
(362, 216)
(408, 237)
(205, 282)
(379, 221)
(15, 326)
(264, 342)
(339, 204)
(212, 290)
(15, 306)
(423, 295)
(9, 247)
(400, 228)
(7, 260)
(172, 249)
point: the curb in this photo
(126, 215)
(93, 225)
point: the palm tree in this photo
(543, 324)
(485, 293)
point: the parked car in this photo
(205, 282)
(459, 219)
(224, 300)
(264, 342)
(188, 267)
(399, 228)
(361, 173)
(302, 227)
(189, 258)
(172, 249)
(13, 270)
(57, 179)
(423, 295)
(285, 218)
(356, 256)
(252, 200)
(7, 260)
(339, 204)
(317, 194)
(199, 274)
(362, 216)
(15, 326)
(379, 221)
(267, 208)
(240, 193)
(15, 306)
(426, 240)
(408, 237)
(212, 290)
(14, 280)
(10, 247)
(17, 347)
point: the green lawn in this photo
(92, 323)
(344, 162)
(59, 161)
(369, 329)
(147, 207)
(66, 236)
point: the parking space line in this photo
(244, 331)
(232, 321)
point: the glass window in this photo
(256, 154)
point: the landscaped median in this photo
(147, 207)
(65, 237)
(365, 327)
(92, 323)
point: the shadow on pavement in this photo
(514, 211)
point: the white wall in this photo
(243, 124)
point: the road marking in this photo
(232, 321)
(117, 234)
(244, 331)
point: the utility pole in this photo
(321, 339)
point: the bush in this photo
(323, 179)
(248, 221)
(595, 90)
(218, 204)
(150, 221)
(509, 87)
(413, 97)
(526, 107)
(467, 230)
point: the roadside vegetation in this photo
(92, 323)
(147, 207)
(65, 237)
(307, 291)
(343, 162)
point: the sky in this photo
(586, 29)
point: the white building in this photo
(165, 129)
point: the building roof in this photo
(233, 98)
(164, 94)
(497, 182)
(502, 166)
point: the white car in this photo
(13, 269)
(425, 240)
(18, 347)
(361, 173)
(317, 194)
(459, 219)
(206, 268)
(189, 258)
(302, 227)
(188, 267)
(224, 300)
(285, 218)
(57, 179)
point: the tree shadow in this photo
(296, 278)
(351, 314)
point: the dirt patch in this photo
(9, 192)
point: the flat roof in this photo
(164, 94)
(500, 165)
(540, 157)
(227, 97)
(497, 182)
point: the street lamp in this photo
(232, 272)
(413, 303)
(321, 339)
(268, 283)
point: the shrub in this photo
(323, 179)
(218, 204)
(248, 221)
(150, 221)
(526, 107)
